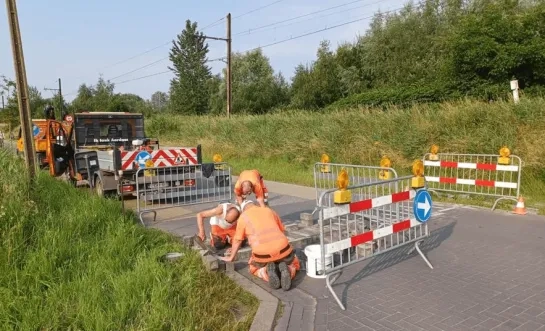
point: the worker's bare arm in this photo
(204, 214)
(234, 250)
(261, 202)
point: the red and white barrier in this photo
(363, 229)
(474, 174)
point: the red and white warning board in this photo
(162, 157)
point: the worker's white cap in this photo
(245, 203)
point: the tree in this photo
(159, 101)
(188, 89)
(319, 85)
(256, 88)
(102, 97)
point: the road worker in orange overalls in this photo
(251, 181)
(271, 251)
(223, 223)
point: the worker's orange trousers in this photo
(219, 237)
(294, 266)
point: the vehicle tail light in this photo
(127, 188)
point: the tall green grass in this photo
(70, 260)
(284, 145)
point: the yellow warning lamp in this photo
(149, 164)
(20, 146)
(342, 195)
(385, 162)
(418, 180)
(325, 167)
(504, 155)
(218, 159)
(433, 153)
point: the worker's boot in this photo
(285, 276)
(274, 280)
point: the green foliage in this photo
(401, 96)
(101, 97)
(188, 89)
(437, 50)
(290, 142)
(159, 101)
(69, 260)
(10, 114)
(498, 41)
(430, 51)
(256, 89)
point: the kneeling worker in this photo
(271, 250)
(223, 221)
(251, 181)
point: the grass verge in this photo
(285, 145)
(70, 260)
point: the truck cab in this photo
(110, 147)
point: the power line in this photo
(147, 76)
(258, 9)
(213, 24)
(318, 31)
(300, 16)
(272, 27)
(139, 68)
(164, 44)
(202, 29)
(251, 11)
(134, 57)
(154, 48)
(276, 43)
(259, 47)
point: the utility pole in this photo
(59, 91)
(229, 80)
(22, 87)
(228, 77)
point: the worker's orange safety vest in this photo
(265, 233)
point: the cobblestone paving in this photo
(488, 275)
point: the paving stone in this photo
(484, 279)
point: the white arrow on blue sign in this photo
(141, 158)
(35, 130)
(422, 205)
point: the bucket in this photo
(314, 261)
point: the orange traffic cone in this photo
(520, 209)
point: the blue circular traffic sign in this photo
(142, 157)
(35, 130)
(422, 205)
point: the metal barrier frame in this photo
(515, 161)
(358, 168)
(332, 274)
(187, 172)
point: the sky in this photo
(78, 41)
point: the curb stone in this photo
(264, 319)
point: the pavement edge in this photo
(263, 319)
